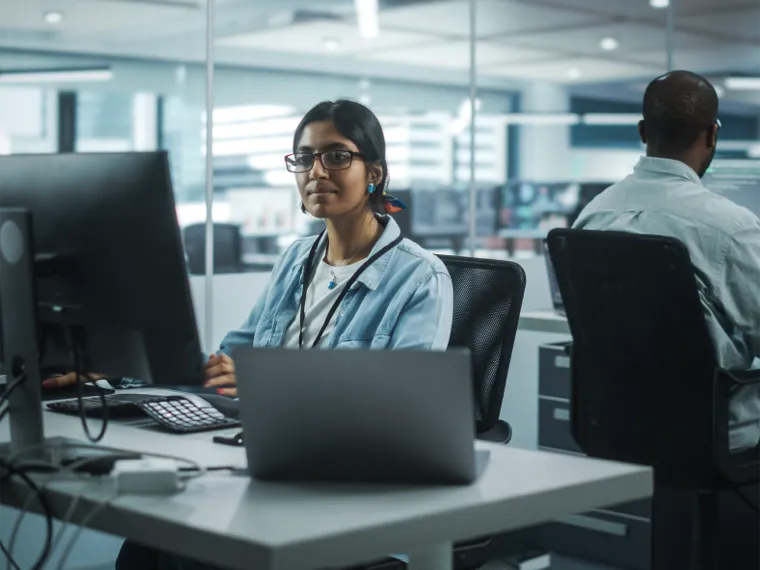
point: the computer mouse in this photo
(228, 406)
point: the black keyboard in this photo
(175, 413)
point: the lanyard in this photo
(349, 284)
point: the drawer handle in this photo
(562, 361)
(595, 524)
(561, 414)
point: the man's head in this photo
(680, 119)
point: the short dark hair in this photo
(359, 125)
(678, 107)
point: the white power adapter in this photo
(146, 476)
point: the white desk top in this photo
(543, 321)
(234, 521)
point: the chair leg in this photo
(704, 541)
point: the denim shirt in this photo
(666, 197)
(404, 300)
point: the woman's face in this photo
(332, 193)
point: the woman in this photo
(365, 286)
(357, 285)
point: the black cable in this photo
(47, 509)
(9, 388)
(101, 394)
(746, 500)
(9, 557)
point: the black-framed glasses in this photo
(330, 159)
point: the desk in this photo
(233, 521)
(543, 321)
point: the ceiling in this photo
(518, 40)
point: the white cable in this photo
(82, 524)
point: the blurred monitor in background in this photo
(737, 180)
(588, 191)
(530, 205)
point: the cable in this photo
(48, 512)
(9, 558)
(9, 388)
(101, 394)
(746, 500)
(82, 524)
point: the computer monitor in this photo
(529, 205)
(738, 180)
(92, 274)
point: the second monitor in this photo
(97, 238)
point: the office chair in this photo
(227, 248)
(488, 295)
(646, 385)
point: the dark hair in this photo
(678, 107)
(359, 125)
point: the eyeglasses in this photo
(331, 160)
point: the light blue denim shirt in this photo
(666, 197)
(404, 300)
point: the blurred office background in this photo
(556, 91)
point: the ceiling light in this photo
(53, 18)
(332, 44)
(743, 83)
(573, 73)
(611, 118)
(367, 17)
(541, 118)
(659, 4)
(56, 75)
(609, 44)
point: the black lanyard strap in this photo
(341, 296)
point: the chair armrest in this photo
(501, 432)
(743, 377)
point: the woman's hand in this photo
(220, 372)
(70, 378)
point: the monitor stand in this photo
(19, 270)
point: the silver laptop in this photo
(358, 415)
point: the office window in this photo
(28, 120)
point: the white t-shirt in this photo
(319, 300)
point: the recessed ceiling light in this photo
(332, 44)
(609, 44)
(574, 73)
(53, 17)
(659, 4)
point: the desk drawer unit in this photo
(618, 535)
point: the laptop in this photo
(559, 305)
(360, 416)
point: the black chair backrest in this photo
(643, 361)
(488, 295)
(227, 248)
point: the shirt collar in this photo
(374, 274)
(667, 166)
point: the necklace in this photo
(333, 277)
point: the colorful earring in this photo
(371, 188)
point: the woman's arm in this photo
(425, 320)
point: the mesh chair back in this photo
(488, 295)
(642, 357)
(227, 248)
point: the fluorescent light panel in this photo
(611, 119)
(56, 75)
(367, 17)
(541, 118)
(743, 83)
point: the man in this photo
(665, 196)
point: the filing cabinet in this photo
(617, 535)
